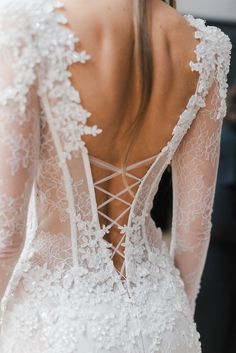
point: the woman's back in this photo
(109, 85)
(95, 274)
(109, 82)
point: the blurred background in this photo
(212, 9)
(216, 305)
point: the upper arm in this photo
(195, 166)
(19, 137)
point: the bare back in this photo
(109, 83)
(110, 90)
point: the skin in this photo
(110, 90)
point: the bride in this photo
(97, 99)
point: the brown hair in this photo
(143, 50)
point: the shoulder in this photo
(191, 37)
(196, 48)
(179, 44)
(177, 30)
(29, 22)
(26, 32)
(17, 50)
(209, 46)
(15, 12)
(212, 39)
(20, 18)
(213, 54)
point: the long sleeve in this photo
(19, 143)
(194, 173)
(196, 159)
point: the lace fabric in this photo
(194, 169)
(63, 292)
(19, 133)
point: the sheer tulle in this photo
(63, 292)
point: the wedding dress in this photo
(61, 292)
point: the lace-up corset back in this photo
(114, 207)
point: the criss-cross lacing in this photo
(116, 172)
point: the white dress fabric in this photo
(62, 292)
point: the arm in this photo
(194, 170)
(19, 145)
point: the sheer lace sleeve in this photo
(194, 170)
(19, 141)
